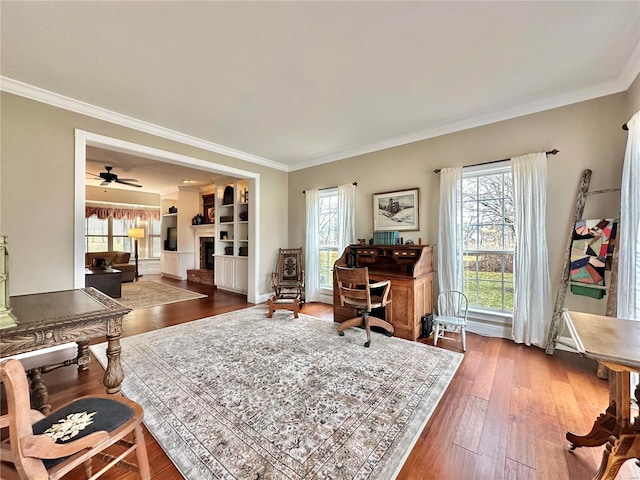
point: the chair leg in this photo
(367, 328)
(353, 322)
(378, 322)
(436, 334)
(463, 335)
(141, 454)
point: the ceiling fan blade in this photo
(128, 179)
(117, 180)
(89, 173)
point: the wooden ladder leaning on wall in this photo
(556, 319)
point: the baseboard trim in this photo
(489, 329)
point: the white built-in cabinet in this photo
(231, 273)
(232, 235)
(175, 263)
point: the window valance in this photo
(118, 212)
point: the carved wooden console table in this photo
(56, 318)
(615, 343)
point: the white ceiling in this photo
(294, 84)
(152, 175)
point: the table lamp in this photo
(136, 234)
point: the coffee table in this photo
(107, 281)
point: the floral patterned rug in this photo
(147, 294)
(242, 396)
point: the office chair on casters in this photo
(49, 447)
(356, 292)
(451, 317)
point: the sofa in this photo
(118, 260)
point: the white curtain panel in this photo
(312, 263)
(450, 230)
(532, 299)
(346, 216)
(629, 230)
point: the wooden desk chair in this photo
(288, 278)
(356, 292)
(451, 317)
(49, 447)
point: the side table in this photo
(108, 282)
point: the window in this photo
(97, 234)
(328, 235)
(108, 235)
(488, 237)
(153, 230)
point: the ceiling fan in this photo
(108, 177)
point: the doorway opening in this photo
(84, 139)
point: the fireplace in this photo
(206, 253)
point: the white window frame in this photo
(110, 236)
(322, 194)
(478, 312)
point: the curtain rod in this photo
(550, 152)
(625, 127)
(355, 184)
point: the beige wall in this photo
(37, 171)
(37, 192)
(101, 194)
(588, 135)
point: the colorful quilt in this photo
(589, 248)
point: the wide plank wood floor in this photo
(504, 415)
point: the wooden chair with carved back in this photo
(49, 447)
(288, 278)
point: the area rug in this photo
(242, 396)
(150, 293)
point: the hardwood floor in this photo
(504, 415)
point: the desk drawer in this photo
(405, 253)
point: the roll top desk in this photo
(410, 269)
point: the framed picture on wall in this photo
(399, 210)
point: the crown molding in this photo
(38, 94)
(631, 69)
(620, 84)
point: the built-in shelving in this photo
(232, 235)
(174, 262)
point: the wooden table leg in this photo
(619, 449)
(615, 428)
(83, 358)
(39, 392)
(114, 373)
(602, 429)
